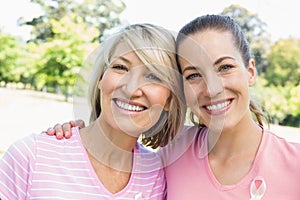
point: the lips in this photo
(129, 106)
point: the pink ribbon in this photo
(258, 188)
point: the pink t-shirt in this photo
(42, 167)
(189, 176)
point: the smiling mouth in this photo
(218, 106)
(129, 107)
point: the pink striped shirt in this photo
(42, 167)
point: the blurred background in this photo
(44, 44)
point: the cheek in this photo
(191, 93)
(108, 83)
(238, 83)
(158, 95)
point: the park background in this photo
(45, 43)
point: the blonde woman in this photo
(105, 160)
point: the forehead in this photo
(145, 53)
(207, 46)
(121, 49)
(125, 53)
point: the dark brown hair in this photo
(223, 24)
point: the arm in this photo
(16, 167)
(64, 130)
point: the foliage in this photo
(282, 103)
(293, 116)
(294, 101)
(62, 57)
(61, 39)
(255, 31)
(276, 103)
(11, 54)
(284, 63)
(103, 14)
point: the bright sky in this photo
(281, 17)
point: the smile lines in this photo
(129, 107)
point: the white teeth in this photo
(218, 106)
(129, 107)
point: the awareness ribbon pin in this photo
(138, 196)
(258, 188)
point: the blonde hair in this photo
(155, 47)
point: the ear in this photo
(252, 72)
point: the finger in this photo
(73, 123)
(58, 131)
(66, 128)
(80, 123)
(50, 131)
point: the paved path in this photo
(25, 112)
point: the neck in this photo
(110, 147)
(243, 138)
(117, 138)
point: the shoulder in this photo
(24, 150)
(280, 144)
(23, 145)
(49, 139)
(51, 145)
(276, 155)
(41, 144)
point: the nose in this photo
(213, 85)
(132, 84)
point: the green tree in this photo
(103, 14)
(284, 63)
(62, 57)
(11, 53)
(294, 101)
(255, 31)
(282, 103)
(294, 107)
(276, 103)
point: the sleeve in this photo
(16, 168)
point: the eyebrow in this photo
(219, 60)
(189, 68)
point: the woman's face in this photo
(132, 97)
(216, 82)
